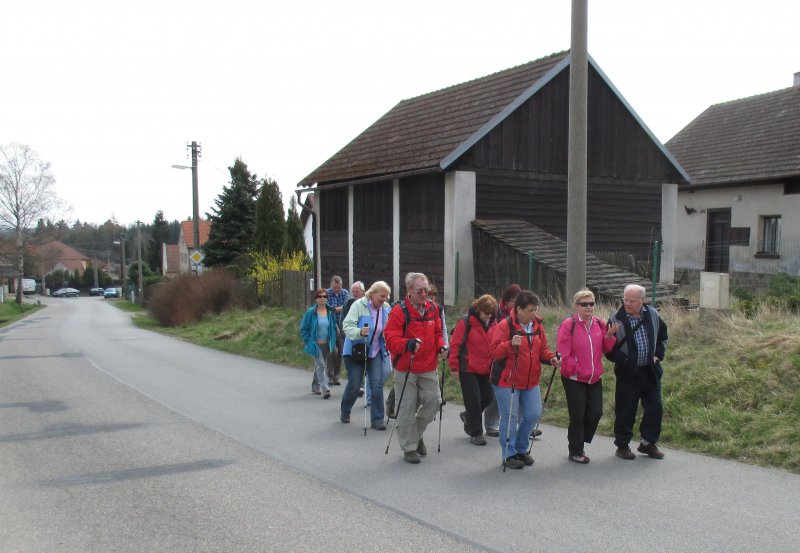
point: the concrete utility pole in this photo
(195, 209)
(576, 165)
(123, 273)
(140, 283)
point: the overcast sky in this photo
(111, 92)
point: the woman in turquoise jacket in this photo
(318, 331)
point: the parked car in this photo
(97, 291)
(66, 293)
(112, 293)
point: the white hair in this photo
(640, 289)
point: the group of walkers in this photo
(497, 353)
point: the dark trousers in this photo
(585, 406)
(335, 359)
(642, 386)
(478, 394)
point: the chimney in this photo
(797, 80)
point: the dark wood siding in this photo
(422, 229)
(333, 238)
(521, 168)
(621, 214)
(372, 232)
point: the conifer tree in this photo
(159, 234)
(295, 241)
(270, 227)
(232, 221)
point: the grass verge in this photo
(11, 312)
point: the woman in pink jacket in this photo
(581, 340)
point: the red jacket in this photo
(479, 340)
(427, 327)
(531, 352)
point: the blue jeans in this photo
(385, 372)
(528, 403)
(355, 375)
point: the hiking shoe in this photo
(326, 395)
(421, 449)
(361, 392)
(316, 392)
(345, 418)
(493, 432)
(478, 440)
(378, 426)
(514, 463)
(535, 432)
(526, 459)
(625, 453)
(390, 409)
(337, 383)
(578, 458)
(650, 450)
(411, 457)
(463, 415)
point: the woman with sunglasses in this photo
(581, 340)
(318, 331)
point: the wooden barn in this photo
(404, 194)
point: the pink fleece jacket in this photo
(582, 348)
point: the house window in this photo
(770, 235)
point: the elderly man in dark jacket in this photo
(637, 355)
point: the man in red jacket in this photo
(414, 331)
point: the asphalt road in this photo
(118, 439)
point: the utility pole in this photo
(195, 208)
(576, 165)
(123, 273)
(139, 259)
(94, 266)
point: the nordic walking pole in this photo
(400, 400)
(441, 402)
(512, 376)
(544, 403)
(364, 382)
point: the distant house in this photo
(307, 220)
(186, 246)
(171, 259)
(58, 256)
(409, 192)
(741, 213)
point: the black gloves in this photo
(412, 345)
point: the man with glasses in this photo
(641, 342)
(414, 337)
(337, 296)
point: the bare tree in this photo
(26, 195)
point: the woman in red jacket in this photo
(582, 339)
(519, 347)
(470, 362)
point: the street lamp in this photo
(195, 209)
(122, 271)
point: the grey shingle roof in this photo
(419, 133)
(751, 139)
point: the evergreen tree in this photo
(233, 218)
(270, 228)
(159, 234)
(295, 241)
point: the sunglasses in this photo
(586, 303)
(322, 296)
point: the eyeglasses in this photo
(423, 291)
(586, 303)
(321, 297)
